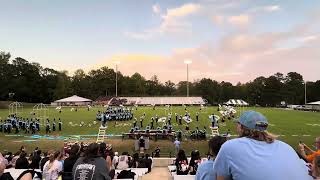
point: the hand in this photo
(301, 146)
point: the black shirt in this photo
(6, 176)
(69, 162)
(22, 163)
(35, 162)
(43, 161)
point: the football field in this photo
(291, 126)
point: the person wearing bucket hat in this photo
(256, 154)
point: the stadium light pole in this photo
(187, 62)
(117, 63)
(305, 92)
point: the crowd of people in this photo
(16, 125)
(98, 161)
(256, 154)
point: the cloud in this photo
(272, 8)
(240, 56)
(156, 9)
(142, 36)
(173, 21)
(218, 19)
(264, 9)
(308, 38)
(181, 11)
(240, 20)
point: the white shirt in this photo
(52, 173)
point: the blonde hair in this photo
(53, 155)
(257, 135)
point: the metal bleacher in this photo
(163, 100)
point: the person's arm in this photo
(302, 151)
(190, 168)
(103, 169)
(220, 178)
(308, 149)
(222, 164)
(109, 163)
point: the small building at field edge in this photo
(72, 101)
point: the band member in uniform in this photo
(152, 122)
(60, 124)
(33, 128)
(54, 125)
(176, 117)
(187, 127)
(48, 127)
(17, 129)
(197, 116)
(27, 127)
(180, 120)
(9, 127)
(135, 122)
(141, 122)
(157, 118)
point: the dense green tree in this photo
(30, 82)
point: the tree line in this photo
(21, 80)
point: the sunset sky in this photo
(230, 40)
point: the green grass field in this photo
(292, 126)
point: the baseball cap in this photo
(253, 120)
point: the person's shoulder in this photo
(282, 144)
(233, 142)
(206, 164)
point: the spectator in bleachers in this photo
(157, 152)
(14, 159)
(123, 161)
(177, 144)
(35, 161)
(94, 166)
(148, 162)
(4, 176)
(182, 163)
(3, 160)
(135, 159)
(257, 154)
(9, 156)
(142, 162)
(23, 149)
(45, 159)
(194, 162)
(115, 160)
(304, 150)
(53, 166)
(206, 170)
(22, 161)
(316, 168)
(73, 157)
(104, 154)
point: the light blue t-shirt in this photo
(177, 143)
(248, 159)
(206, 171)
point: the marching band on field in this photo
(14, 124)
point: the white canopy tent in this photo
(237, 102)
(72, 100)
(314, 103)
